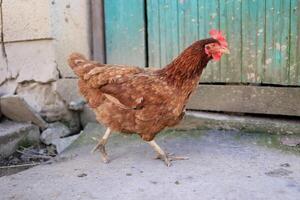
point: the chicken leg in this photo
(101, 145)
(167, 158)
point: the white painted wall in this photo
(71, 30)
(38, 37)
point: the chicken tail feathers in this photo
(80, 64)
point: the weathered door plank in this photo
(253, 32)
(168, 30)
(230, 23)
(188, 23)
(276, 69)
(153, 18)
(294, 53)
(209, 18)
(125, 32)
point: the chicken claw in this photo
(101, 146)
(168, 157)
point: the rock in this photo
(72, 120)
(63, 143)
(8, 87)
(76, 105)
(68, 90)
(15, 134)
(44, 100)
(17, 109)
(87, 115)
(54, 131)
(48, 103)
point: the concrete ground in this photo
(222, 165)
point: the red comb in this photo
(218, 35)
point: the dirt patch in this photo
(279, 172)
(25, 158)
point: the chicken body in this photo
(130, 99)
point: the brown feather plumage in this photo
(129, 99)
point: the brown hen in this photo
(137, 100)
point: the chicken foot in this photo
(101, 145)
(166, 157)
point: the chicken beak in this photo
(224, 50)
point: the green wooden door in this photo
(125, 32)
(263, 36)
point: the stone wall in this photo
(38, 36)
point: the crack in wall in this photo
(58, 70)
(2, 35)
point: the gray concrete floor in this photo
(222, 165)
